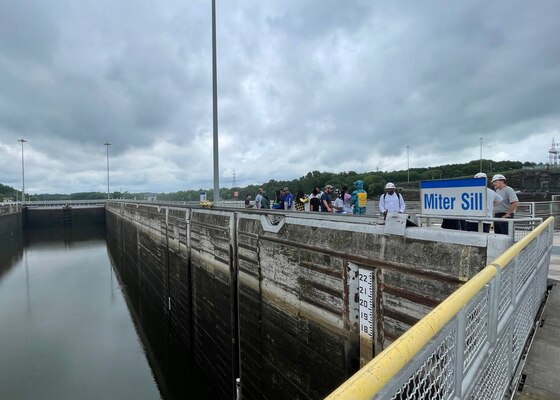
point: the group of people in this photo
(500, 203)
(328, 199)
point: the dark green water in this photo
(66, 331)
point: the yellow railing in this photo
(370, 379)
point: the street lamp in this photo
(481, 154)
(408, 162)
(107, 145)
(22, 171)
(215, 106)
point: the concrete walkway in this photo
(543, 362)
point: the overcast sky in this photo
(302, 85)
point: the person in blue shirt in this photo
(288, 199)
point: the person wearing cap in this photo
(326, 201)
(288, 199)
(391, 201)
(261, 201)
(492, 200)
(507, 207)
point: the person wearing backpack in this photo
(390, 201)
(261, 200)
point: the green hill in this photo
(8, 192)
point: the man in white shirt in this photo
(492, 200)
(391, 201)
(258, 198)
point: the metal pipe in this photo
(22, 171)
(107, 145)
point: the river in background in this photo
(66, 331)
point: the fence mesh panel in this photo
(476, 326)
(495, 379)
(527, 262)
(523, 228)
(506, 286)
(523, 322)
(434, 380)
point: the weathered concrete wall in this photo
(57, 217)
(11, 239)
(273, 297)
(184, 300)
(10, 219)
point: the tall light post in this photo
(481, 154)
(107, 146)
(215, 106)
(22, 171)
(408, 163)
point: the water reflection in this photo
(66, 328)
(177, 374)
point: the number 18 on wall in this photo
(366, 300)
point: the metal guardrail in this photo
(471, 345)
(63, 203)
(518, 228)
(538, 208)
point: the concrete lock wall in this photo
(62, 216)
(10, 219)
(274, 298)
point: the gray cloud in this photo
(302, 86)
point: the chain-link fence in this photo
(470, 346)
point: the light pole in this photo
(215, 106)
(408, 163)
(107, 145)
(22, 171)
(481, 154)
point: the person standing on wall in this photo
(315, 200)
(347, 199)
(391, 201)
(492, 200)
(258, 198)
(300, 201)
(326, 201)
(507, 207)
(261, 200)
(359, 198)
(248, 201)
(288, 200)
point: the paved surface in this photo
(543, 362)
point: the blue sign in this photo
(458, 197)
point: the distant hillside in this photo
(374, 182)
(8, 192)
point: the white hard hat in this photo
(390, 185)
(498, 177)
(481, 175)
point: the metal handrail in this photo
(503, 286)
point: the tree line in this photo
(374, 182)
